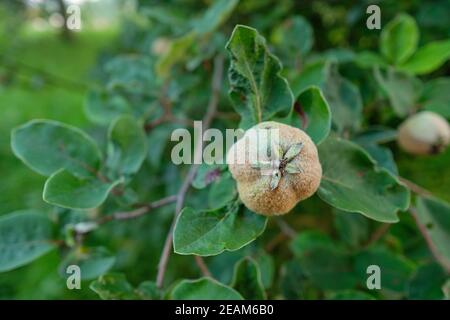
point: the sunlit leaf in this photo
(399, 38)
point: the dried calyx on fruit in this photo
(275, 166)
(424, 133)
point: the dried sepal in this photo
(293, 169)
(275, 180)
(293, 151)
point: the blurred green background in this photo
(45, 74)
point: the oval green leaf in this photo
(47, 146)
(24, 236)
(247, 280)
(428, 58)
(313, 114)
(203, 289)
(127, 146)
(65, 190)
(352, 182)
(399, 39)
(344, 100)
(207, 233)
(93, 262)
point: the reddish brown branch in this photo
(202, 266)
(125, 215)
(207, 119)
(414, 187)
(378, 234)
(285, 228)
(445, 264)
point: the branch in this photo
(414, 187)
(285, 228)
(125, 215)
(202, 266)
(445, 264)
(377, 234)
(279, 238)
(207, 119)
(167, 115)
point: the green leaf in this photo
(427, 283)
(216, 15)
(350, 295)
(207, 233)
(102, 108)
(47, 146)
(351, 182)
(133, 74)
(428, 58)
(436, 96)
(176, 53)
(24, 236)
(344, 100)
(295, 35)
(267, 267)
(203, 289)
(353, 229)
(382, 156)
(93, 262)
(395, 269)
(322, 262)
(312, 75)
(313, 114)
(334, 55)
(207, 174)
(148, 290)
(434, 214)
(376, 135)
(68, 191)
(113, 286)
(369, 59)
(402, 89)
(399, 39)
(257, 89)
(247, 280)
(294, 284)
(309, 240)
(157, 140)
(127, 145)
(222, 191)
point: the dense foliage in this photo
(141, 227)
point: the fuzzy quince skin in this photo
(298, 176)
